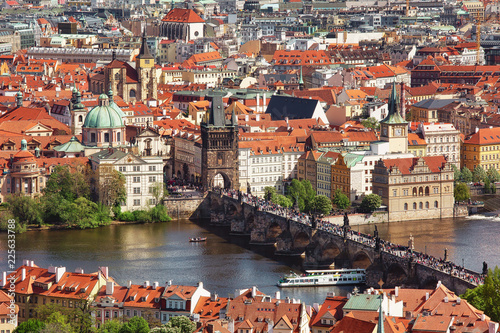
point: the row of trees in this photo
(77, 196)
(478, 175)
(486, 297)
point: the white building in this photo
(141, 175)
(442, 139)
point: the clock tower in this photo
(394, 129)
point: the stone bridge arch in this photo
(395, 275)
(274, 231)
(361, 259)
(300, 241)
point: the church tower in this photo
(219, 155)
(394, 129)
(78, 112)
(146, 71)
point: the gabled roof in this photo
(131, 73)
(180, 15)
(281, 107)
(405, 165)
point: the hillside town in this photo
(390, 99)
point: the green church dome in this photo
(103, 115)
(113, 104)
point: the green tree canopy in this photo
(26, 210)
(179, 324)
(30, 326)
(108, 186)
(283, 201)
(370, 203)
(341, 200)
(67, 183)
(493, 175)
(110, 326)
(310, 194)
(370, 123)
(297, 193)
(486, 297)
(479, 175)
(270, 194)
(457, 175)
(321, 204)
(135, 325)
(57, 322)
(461, 192)
(466, 175)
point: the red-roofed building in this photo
(327, 314)
(286, 59)
(180, 23)
(415, 188)
(8, 312)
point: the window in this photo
(136, 168)
(122, 168)
(137, 190)
(152, 179)
(405, 206)
(414, 205)
(92, 137)
(136, 179)
(137, 202)
(152, 168)
(436, 204)
(394, 193)
(106, 137)
(118, 136)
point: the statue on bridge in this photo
(411, 244)
(485, 268)
(377, 239)
(346, 220)
(445, 254)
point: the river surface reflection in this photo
(162, 252)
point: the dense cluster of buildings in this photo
(383, 310)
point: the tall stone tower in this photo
(145, 66)
(394, 129)
(219, 156)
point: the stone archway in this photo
(361, 260)
(220, 180)
(301, 241)
(328, 254)
(274, 231)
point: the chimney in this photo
(79, 270)
(316, 307)
(477, 129)
(32, 263)
(146, 284)
(445, 299)
(264, 105)
(438, 284)
(254, 291)
(23, 274)
(156, 285)
(129, 284)
(214, 297)
(492, 327)
(459, 300)
(200, 285)
(110, 288)
(59, 273)
(483, 317)
(396, 291)
(26, 262)
(247, 117)
(277, 295)
(258, 103)
(4, 278)
(287, 125)
(426, 296)
(257, 117)
(104, 271)
(169, 283)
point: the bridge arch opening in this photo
(429, 283)
(301, 240)
(361, 260)
(221, 180)
(329, 253)
(396, 275)
(274, 231)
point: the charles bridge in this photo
(323, 244)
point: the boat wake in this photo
(491, 217)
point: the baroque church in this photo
(131, 84)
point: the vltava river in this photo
(161, 252)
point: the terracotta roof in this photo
(181, 15)
(131, 73)
(405, 165)
(332, 305)
(415, 139)
(484, 136)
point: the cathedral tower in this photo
(145, 67)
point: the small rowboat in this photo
(197, 239)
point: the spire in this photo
(301, 80)
(393, 115)
(144, 52)
(19, 98)
(380, 326)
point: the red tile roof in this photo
(181, 15)
(405, 165)
(484, 136)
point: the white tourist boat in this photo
(324, 278)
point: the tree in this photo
(479, 174)
(493, 188)
(309, 194)
(283, 201)
(370, 203)
(461, 192)
(487, 186)
(135, 325)
(457, 175)
(270, 194)
(67, 183)
(486, 297)
(81, 213)
(493, 175)
(466, 175)
(296, 194)
(108, 186)
(158, 191)
(321, 204)
(341, 200)
(179, 324)
(57, 322)
(30, 326)
(110, 326)
(370, 123)
(26, 210)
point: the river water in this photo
(162, 252)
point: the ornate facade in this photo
(182, 24)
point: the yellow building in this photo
(307, 167)
(482, 149)
(416, 144)
(341, 177)
(415, 188)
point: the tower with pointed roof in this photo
(78, 112)
(301, 80)
(219, 154)
(145, 66)
(393, 128)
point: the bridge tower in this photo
(219, 155)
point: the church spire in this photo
(144, 52)
(393, 115)
(301, 80)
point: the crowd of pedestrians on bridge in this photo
(369, 240)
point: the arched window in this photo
(80, 118)
(436, 205)
(420, 205)
(414, 191)
(420, 191)
(132, 94)
(427, 190)
(414, 206)
(427, 204)
(406, 206)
